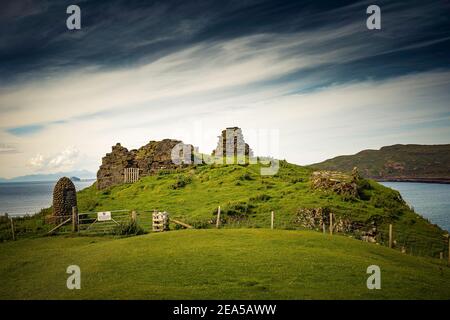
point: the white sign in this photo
(104, 216)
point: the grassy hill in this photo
(216, 264)
(247, 198)
(410, 162)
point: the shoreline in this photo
(416, 180)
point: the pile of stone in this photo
(315, 218)
(231, 144)
(336, 182)
(64, 199)
(154, 156)
(312, 218)
(370, 235)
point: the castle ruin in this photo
(231, 143)
(154, 156)
(157, 155)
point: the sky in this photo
(309, 73)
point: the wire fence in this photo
(88, 223)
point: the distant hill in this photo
(81, 174)
(411, 162)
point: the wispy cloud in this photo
(330, 85)
(63, 160)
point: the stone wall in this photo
(157, 155)
(154, 156)
(111, 171)
(315, 218)
(232, 139)
(336, 182)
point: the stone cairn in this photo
(231, 144)
(64, 198)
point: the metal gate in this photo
(106, 221)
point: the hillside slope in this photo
(412, 162)
(216, 264)
(247, 198)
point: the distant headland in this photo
(405, 163)
(79, 175)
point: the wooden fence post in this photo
(12, 229)
(271, 220)
(74, 219)
(331, 223)
(449, 251)
(133, 216)
(324, 227)
(390, 236)
(218, 218)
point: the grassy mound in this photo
(216, 264)
(247, 198)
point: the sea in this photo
(431, 200)
(22, 198)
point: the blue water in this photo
(20, 198)
(431, 200)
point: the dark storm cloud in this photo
(35, 43)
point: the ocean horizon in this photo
(430, 200)
(28, 198)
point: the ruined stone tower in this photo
(231, 143)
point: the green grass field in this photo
(216, 264)
(247, 198)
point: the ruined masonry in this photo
(154, 156)
(157, 155)
(231, 141)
